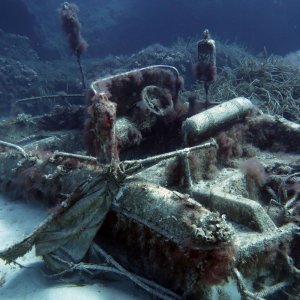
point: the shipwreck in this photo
(186, 204)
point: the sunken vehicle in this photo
(187, 204)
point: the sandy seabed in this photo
(18, 219)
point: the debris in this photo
(183, 239)
(205, 124)
(13, 146)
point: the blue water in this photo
(125, 26)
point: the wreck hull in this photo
(200, 270)
(171, 253)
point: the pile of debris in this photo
(194, 207)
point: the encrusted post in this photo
(103, 118)
(206, 68)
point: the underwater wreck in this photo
(192, 206)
